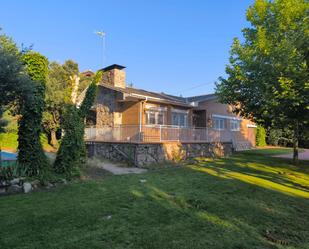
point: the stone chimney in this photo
(114, 75)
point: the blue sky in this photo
(169, 46)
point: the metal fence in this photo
(158, 133)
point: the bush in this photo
(274, 136)
(7, 170)
(260, 136)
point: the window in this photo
(154, 118)
(180, 119)
(160, 118)
(235, 125)
(218, 123)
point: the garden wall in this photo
(143, 154)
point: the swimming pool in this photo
(8, 156)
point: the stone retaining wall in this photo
(143, 154)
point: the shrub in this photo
(260, 136)
(274, 136)
(7, 170)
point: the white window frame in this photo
(178, 116)
(234, 125)
(221, 121)
(156, 113)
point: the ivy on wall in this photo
(71, 155)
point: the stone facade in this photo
(108, 111)
(143, 154)
(115, 77)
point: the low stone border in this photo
(20, 185)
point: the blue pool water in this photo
(8, 155)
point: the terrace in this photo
(156, 134)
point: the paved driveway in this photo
(301, 155)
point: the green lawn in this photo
(8, 141)
(248, 201)
(271, 152)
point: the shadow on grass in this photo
(271, 173)
(237, 209)
(232, 203)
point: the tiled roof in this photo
(156, 97)
(143, 94)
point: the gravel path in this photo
(301, 155)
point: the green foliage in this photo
(281, 137)
(274, 136)
(58, 94)
(31, 158)
(71, 155)
(36, 66)
(11, 121)
(13, 80)
(3, 122)
(268, 73)
(260, 136)
(8, 170)
(304, 140)
(88, 100)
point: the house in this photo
(123, 114)
(209, 112)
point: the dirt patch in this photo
(112, 168)
(95, 173)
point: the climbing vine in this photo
(71, 155)
(31, 158)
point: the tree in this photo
(22, 77)
(31, 158)
(13, 80)
(3, 122)
(72, 152)
(268, 77)
(59, 88)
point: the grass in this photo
(246, 201)
(8, 141)
(271, 151)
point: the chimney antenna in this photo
(102, 34)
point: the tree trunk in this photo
(295, 145)
(53, 139)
